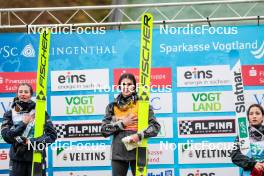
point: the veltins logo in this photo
(81, 156)
(204, 102)
(259, 53)
(79, 105)
(28, 51)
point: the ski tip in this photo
(233, 57)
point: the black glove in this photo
(21, 140)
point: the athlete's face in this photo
(127, 87)
(23, 93)
(255, 116)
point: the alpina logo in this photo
(259, 53)
(28, 51)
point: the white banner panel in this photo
(215, 126)
(79, 105)
(4, 159)
(254, 97)
(5, 105)
(79, 79)
(166, 130)
(232, 171)
(97, 155)
(201, 153)
(161, 102)
(205, 102)
(157, 155)
(158, 172)
(203, 76)
(83, 173)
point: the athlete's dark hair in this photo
(255, 105)
(26, 84)
(128, 76)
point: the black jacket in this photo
(241, 160)
(21, 152)
(111, 127)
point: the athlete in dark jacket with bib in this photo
(121, 121)
(18, 130)
(253, 163)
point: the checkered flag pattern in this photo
(185, 127)
(60, 128)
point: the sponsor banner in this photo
(1, 138)
(5, 105)
(10, 80)
(203, 76)
(4, 159)
(254, 97)
(159, 76)
(157, 155)
(205, 102)
(234, 171)
(166, 130)
(95, 154)
(158, 172)
(206, 127)
(160, 102)
(79, 79)
(78, 130)
(79, 105)
(83, 173)
(253, 75)
(201, 153)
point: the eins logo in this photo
(198, 74)
(71, 78)
(198, 173)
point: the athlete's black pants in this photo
(21, 168)
(120, 168)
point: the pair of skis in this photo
(41, 97)
(144, 90)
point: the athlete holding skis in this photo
(121, 121)
(18, 130)
(252, 165)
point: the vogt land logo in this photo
(209, 127)
(79, 105)
(259, 53)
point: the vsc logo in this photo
(198, 173)
(28, 51)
